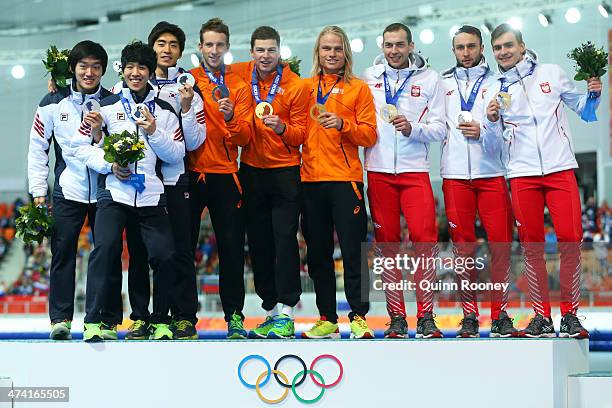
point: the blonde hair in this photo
(347, 73)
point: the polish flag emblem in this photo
(415, 91)
(545, 87)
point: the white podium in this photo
(416, 373)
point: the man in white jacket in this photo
(410, 100)
(133, 192)
(474, 181)
(57, 118)
(540, 166)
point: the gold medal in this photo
(504, 99)
(388, 112)
(316, 110)
(263, 108)
(220, 92)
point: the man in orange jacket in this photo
(213, 167)
(342, 119)
(270, 174)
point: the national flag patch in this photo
(415, 91)
(545, 87)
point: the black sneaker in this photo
(139, 330)
(185, 330)
(571, 327)
(469, 326)
(426, 327)
(398, 328)
(539, 326)
(503, 327)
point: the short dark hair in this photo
(140, 53)
(164, 27)
(468, 29)
(506, 28)
(265, 33)
(396, 27)
(218, 26)
(86, 49)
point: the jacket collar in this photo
(521, 69)
(127, 94)
(79, 98)
(415, 63)
(465, 74)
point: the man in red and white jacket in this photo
(398, 166)
(474, 182)
(540, 159)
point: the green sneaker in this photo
(184, 330)
(323, 330)
(109, 332)
(235, 328)
(60, 330)
(283, 328)
(161, 331)
(360, 329)
(262, 329)
(92, 333)
(139, 330)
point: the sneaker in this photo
(161, 331)
(109, 332)
(503, 327)
(184, 330)
(262, 329)
(571, 327)
(139, 330)
(92, 333)
(322, 329)
(283, 328)
(360, 329)
(426, 327)
(60, 330)
(398, 328)
(469, 326)
(539, 326)
(235, 328)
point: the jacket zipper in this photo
(226, 151)
(87, 168)
(467, 141)
(344, 153)
(136, 170)
(395, 135)
(535, 121)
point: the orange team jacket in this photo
(219, 151)
(331, 154)
(267, 149)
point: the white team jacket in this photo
(193, 122)
(462, 157)
(535, 133)
(58, 117)
(165, 144)
(422, 102)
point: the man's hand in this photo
(274, 122)
(51, 85)
(402, 124)
(38, 201)
(122, 173)
(186, 96)
(148, 123)
(226, 107)
(470, 129)
(330, 120)
(594, 85)
(493, 110)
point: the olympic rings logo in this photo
(283, 381)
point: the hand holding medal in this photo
(145, 119)
(186, 93)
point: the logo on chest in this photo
(545, 87)
(120, 115)
(449, 93)
(64, 117)
(415, 91)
